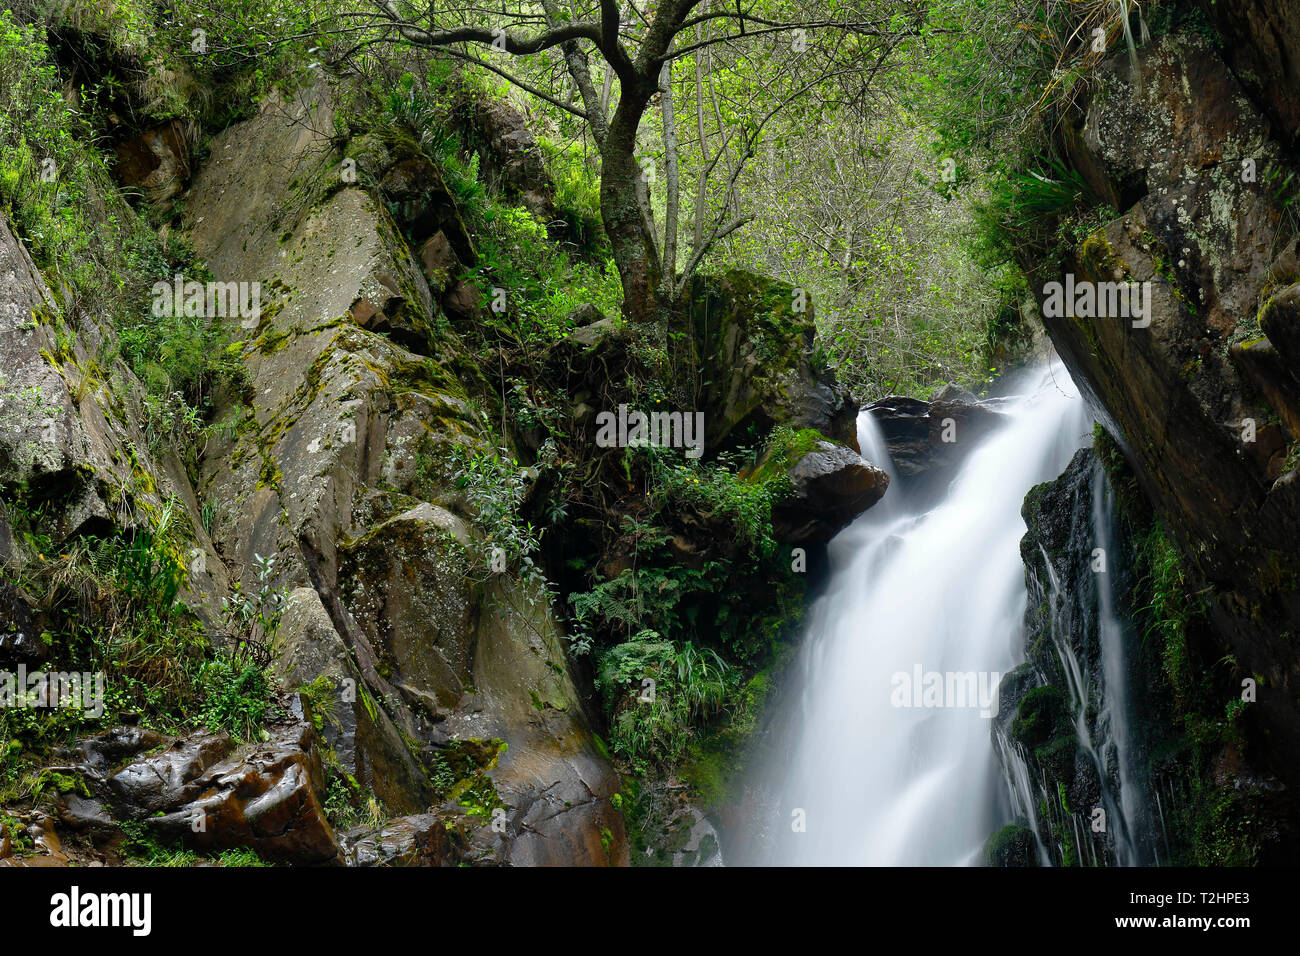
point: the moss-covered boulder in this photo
(1013, 845)
(410, 582)
(753, 342)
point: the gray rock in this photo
(832, 485)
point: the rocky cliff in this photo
(1190, 146)
(312, 583)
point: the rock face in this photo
(70, 437)
(343, 469)
(1205, 395)
(1261, 42)
(1037, 723)
(831, 485)
(753, 341)
(515, 163)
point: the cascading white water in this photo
(863, 778)
(1132, 819)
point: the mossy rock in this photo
(752, 338)
(1013, 845)
(1039, 717)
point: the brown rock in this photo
(462, 300)
(419, 840)
(156, 162)
(440, 262)
(264, 796)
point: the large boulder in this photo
(417, 840)
(410, 582)
(753, 341)
(203, 791)
(924, 438)
(830, 485)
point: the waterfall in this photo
(1136, 824)
(883, 751)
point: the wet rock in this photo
(930, 437)
(955, 393)
(86, 814)
(832, 485)
(556, 783)
(169, 778)
(675, 832)
(1013, 845)
(263, 796)
(105, 751)
(1184, 390)
(418, 840)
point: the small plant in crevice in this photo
(253, 617)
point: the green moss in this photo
(1038, 717)
(1013, 845)
(785, 448)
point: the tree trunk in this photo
(634, 249)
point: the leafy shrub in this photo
(690, 686)
(236, 696)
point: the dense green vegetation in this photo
(914, 189)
